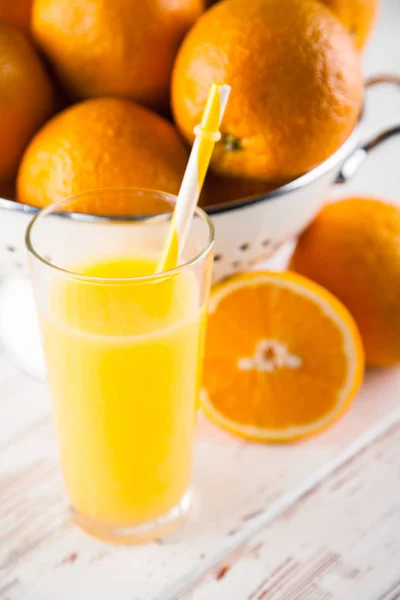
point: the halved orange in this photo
(283, 357)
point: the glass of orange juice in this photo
(123, 347)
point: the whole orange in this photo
(296, 85)
(120, 48)
(26, 97)
(352, 248)
(358, 16)
(101, 143)
(17, 13)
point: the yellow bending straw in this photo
(207, 134)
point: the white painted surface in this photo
(247, 496)
(341, 541)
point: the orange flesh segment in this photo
(287, 396)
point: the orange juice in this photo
(123, 362)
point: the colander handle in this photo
(356, 158)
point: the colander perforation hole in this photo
(218, 257)
(267, 242)
(236, 264)
(245, 246)
(11, 248)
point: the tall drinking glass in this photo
(123, 349)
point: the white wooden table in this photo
(319, 520)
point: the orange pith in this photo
(283, 357)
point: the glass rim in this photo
(90, 218)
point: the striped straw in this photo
(207, 134)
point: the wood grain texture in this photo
(240, 489)
(340, 542)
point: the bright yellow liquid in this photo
(124, 367)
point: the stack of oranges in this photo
(106, 93)
(293, 66)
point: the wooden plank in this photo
(239, 487)
(341, 541)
